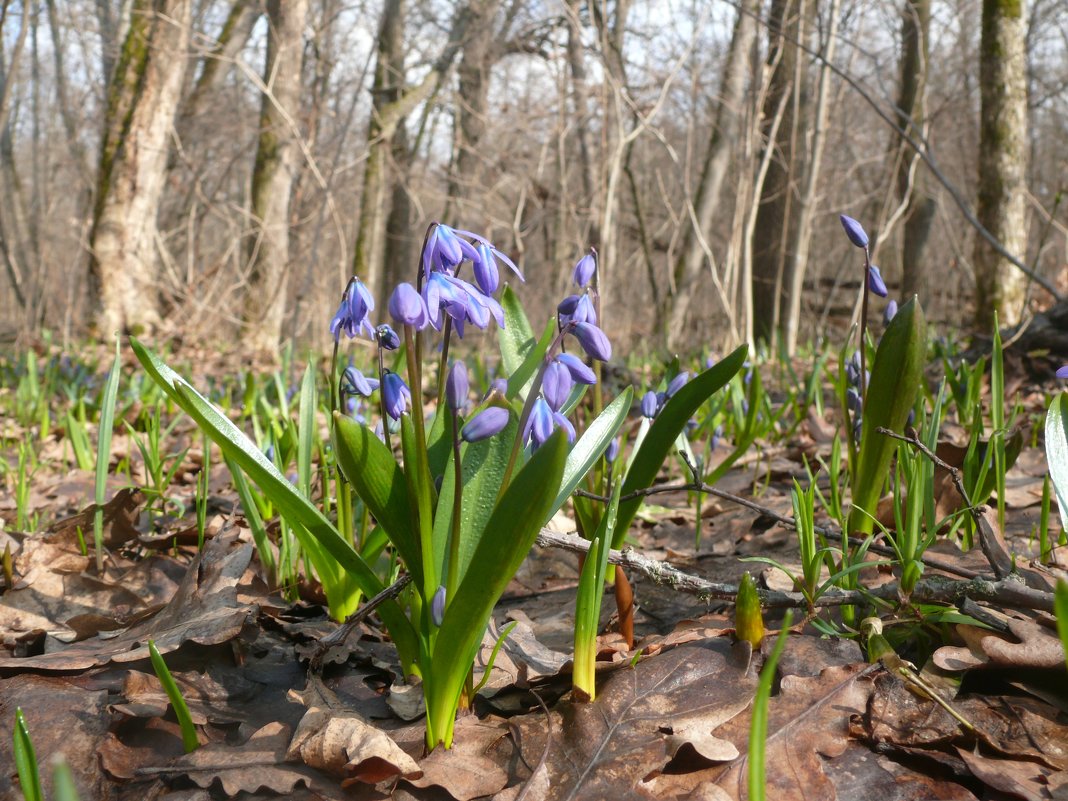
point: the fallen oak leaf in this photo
(465, 771)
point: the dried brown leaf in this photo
(470, 769)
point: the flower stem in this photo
(453, 580)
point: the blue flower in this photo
(593, 340)
(437, 607)
(444, 250)
(487, 423)
(585, 269)
(650, 405)
(577, 309)
(676, 383)
(611, 453)
(395, 395)
(890, 312)
(456, 386)
(407, 307)
(352, 314)
(556, 385)
(353, 382)
(1062, 372)
(854, 230)
(875, 282)
(580, 372)
(539, 425)
(485, 266)
(461, 301)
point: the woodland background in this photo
(216, 169)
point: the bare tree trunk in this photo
(142, 99)
(913, 184)
(772, 229)
(11, 238)
(392, 102)
(277, 156)
(725, 134)
(806, 204)
(1003, 147)
(70, 124)
(473, 71)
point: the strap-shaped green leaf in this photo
(377, 478)
(1057, 452)
(304, 516)
(508, 537)
(517, 336)
(895, 379)
(591, 445)
(520, 380)
(660, 439)
(483, 464)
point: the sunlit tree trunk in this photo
(1003, 153)
(277, 159)
(142, 99)
(725, 132)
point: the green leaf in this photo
(660, 439)
(306, 431)
(103, 452)
(190, 741)
(591, 445)
(377, 478)
(294, 507)
(516, 337)
(483, 465)
(1057, 452)
(509, 534)
(895, 380)
(420, 497)
(1060, 608)
(519, 381)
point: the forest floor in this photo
(672, 716)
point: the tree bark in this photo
(913, 184)
(277, 160)
(1003, 157)
(772, 230)
(725, 132)
(143, 97)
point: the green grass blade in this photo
(1060, 608)
(1057, 452)
(255, 522)
(26, 760)
(758, 729)
(190, 741)
(63, 781)
(103, 453)
(306, 432)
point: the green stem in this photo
(453, 579)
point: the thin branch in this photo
(340, 634)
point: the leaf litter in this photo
(671, 719)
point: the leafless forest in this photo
(216, 169)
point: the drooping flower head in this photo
(585, 269)
(456, 386)
(556, 385)
(386, 337)
(407, 307)
(489, 422)
(890, 312)
(395, 395)
(353, 382)
(876, 283)
(650, 405)
(351, 316)
(592, 339)
(580, 371)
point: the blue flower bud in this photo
(580, 371)
(487, 423)
(485, 268)
(650, 406)
(593, 340)
(437, 607)
(854, 230)
(395, 394)
(387, 337)
(876, 283)
(677, 383)
(540, 425)
(889, 312)
(564, 423)
(584, 270)
(853, 399)
(611, 453)
(498, 385)
(407, 307)
(456, 386)
(566, 307)
(1062, 372)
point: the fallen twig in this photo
(1009, 591)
